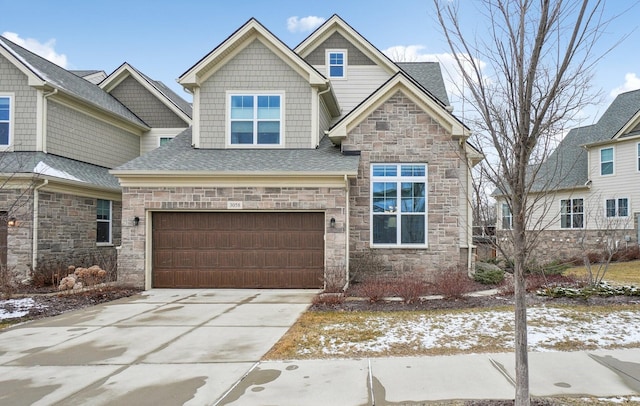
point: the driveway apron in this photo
(162, 347)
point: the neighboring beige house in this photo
(60, 133)
(591, 186)
(297, 161)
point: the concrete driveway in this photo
(162, 347)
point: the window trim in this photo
(399, 179)
(11, 119)
(572, 214)
(344, 65)
(164, 137)
(613, 160)
(109, 221)
(255, 94)
(616, 201)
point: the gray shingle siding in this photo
(78, 136)
(145, 105)
(12, 80)
(256, 68)
(337, 41)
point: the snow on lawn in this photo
(549, 329)
(15, 308)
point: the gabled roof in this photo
(42, 73)
(237, 41)
(167, 96)
(429, 75)
(337, 24)
(179, 157)
(418, 94)
(567, 166)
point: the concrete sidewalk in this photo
(416, 380)
(203, 347)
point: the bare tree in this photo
(527, 73)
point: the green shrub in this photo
(489, 276)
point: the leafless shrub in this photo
(328, 299)
(453, 283)
(409, 287)
(374, 288)
(365, 265)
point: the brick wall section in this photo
(256, 68)
(145, 105)
(400, 132)
(12, 80)
(565, 244)
(138, 200)
(78, 136)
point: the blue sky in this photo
(164, 38)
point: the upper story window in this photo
(103, 218)
(606, 161)
(255, 119)
(507, 217)
(617, 207)
(5, 120)
(337, 64)
(572, 213)
(399, 205)
(164, 140)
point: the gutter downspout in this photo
(320, 94)
(36, 200)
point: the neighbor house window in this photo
(507, 217)
(5, 120)
(336, 64)
(617, 207)
(606, 161)
(572, 213)
(103, 216)
(399, 205)
(165, 140)
(255, 119)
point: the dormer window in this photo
(255, 119)
(337, 64)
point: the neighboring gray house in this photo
(297, 162)
(591, 186)
(60, 133)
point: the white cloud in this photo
(631, 82)
(45, 50)
(304, 24)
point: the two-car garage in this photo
(237, 249)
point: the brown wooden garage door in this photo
(238, 250)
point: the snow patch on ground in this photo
(15, 308)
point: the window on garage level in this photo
(103, 217)
(572, 213)
(399, 205)
(617, 207)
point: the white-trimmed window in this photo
(572, 213)
(507, 217)
(164, 140)
(617, 207)
(103, 217)
(399, 205)
(606, 161)
(6, 104)
(255, 119)
(337, 63)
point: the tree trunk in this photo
(521, 345)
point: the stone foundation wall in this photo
(401, 132)
(137, 201)
(566, 244)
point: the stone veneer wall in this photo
(401, 132)
(565, 244)
(67, 229)
(138, 200)
(18, 204)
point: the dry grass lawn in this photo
(622, 273)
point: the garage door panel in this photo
(238, 249)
